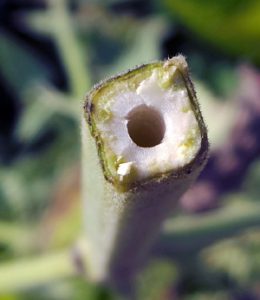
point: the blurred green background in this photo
(51, 53)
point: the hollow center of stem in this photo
(145, 126)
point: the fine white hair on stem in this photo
(144, 143)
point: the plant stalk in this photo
(123, 214)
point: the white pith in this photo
(181, 126)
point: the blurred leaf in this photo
(9, 297)
(156, 280)
(238, 257)
(16, 237)
(208, 296)
(252, 183)
(28, 184)
(30, 272)
(68, 229)
(233, 26)
(210, 104)
(43, 103)
(57, 22)
(19, 65)
(145, 46)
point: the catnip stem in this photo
(144, 144)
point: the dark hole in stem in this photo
(145, 126)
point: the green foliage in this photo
(233, 26)
(159, 277)
(18, 66)
(90, 43)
